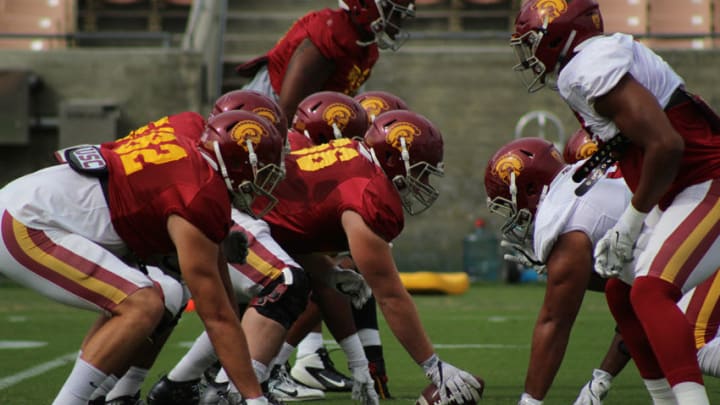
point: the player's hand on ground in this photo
(452, 382)
(596, 389)
(363, 389)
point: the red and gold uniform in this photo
(335, 35)
(321, 183)
(156, 172)
(62, 236)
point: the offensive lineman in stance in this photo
(163, 189)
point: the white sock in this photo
(222, 377)
(105, 387)
(261, 371)
(83, 380)
(354, 351)
(660, 392)
(690, 393)
(369, 337)
(312, 342)
(129, 384)
(200, 356)
(283, 355)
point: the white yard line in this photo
(9, 381)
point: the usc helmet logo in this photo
(551, 9)
(402, 130)
(247, 130)
(374, 105)
(339, 114)
(586, 150)
(267, 114)
(507, 164)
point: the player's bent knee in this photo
(646, 292)
(145, 307)
(285, 298)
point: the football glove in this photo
(350, 283)
(596, 389)
(452, 383)
(614, 250)
(235, 247)
(522, 255)
(363, 388)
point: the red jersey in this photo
(157, 171)
(335, 35)
(700, 160)
(298, 140)
(321, 183)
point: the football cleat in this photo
(316, 370)
(284, 388)
(214, 393)
(377, 372)
(126, 400)
(168, 392)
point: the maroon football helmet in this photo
(377, 102)
(516, 177)
(580, 146)
(382, 18)
(250, 100)
(409, 148)
(247, 151)
(546, 34)
(328, 115)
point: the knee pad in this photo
(285, 298)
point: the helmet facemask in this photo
(530, 69)
(265, 179)
(518, 226)
(390, 13)
(416, 192)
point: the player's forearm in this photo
(402, 317)
(549, 343)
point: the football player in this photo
(376, 102)
(163, 189)
(701, 306)
(349, 195)
(551, 229)
(329, 49)
(667, 145)
(326, 115)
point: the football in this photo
(431, 396)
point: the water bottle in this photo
(481, 254)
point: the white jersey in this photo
(593, 213)
(598, 67)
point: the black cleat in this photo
(126, 400)
(168, 392)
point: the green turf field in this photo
(486, 330)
